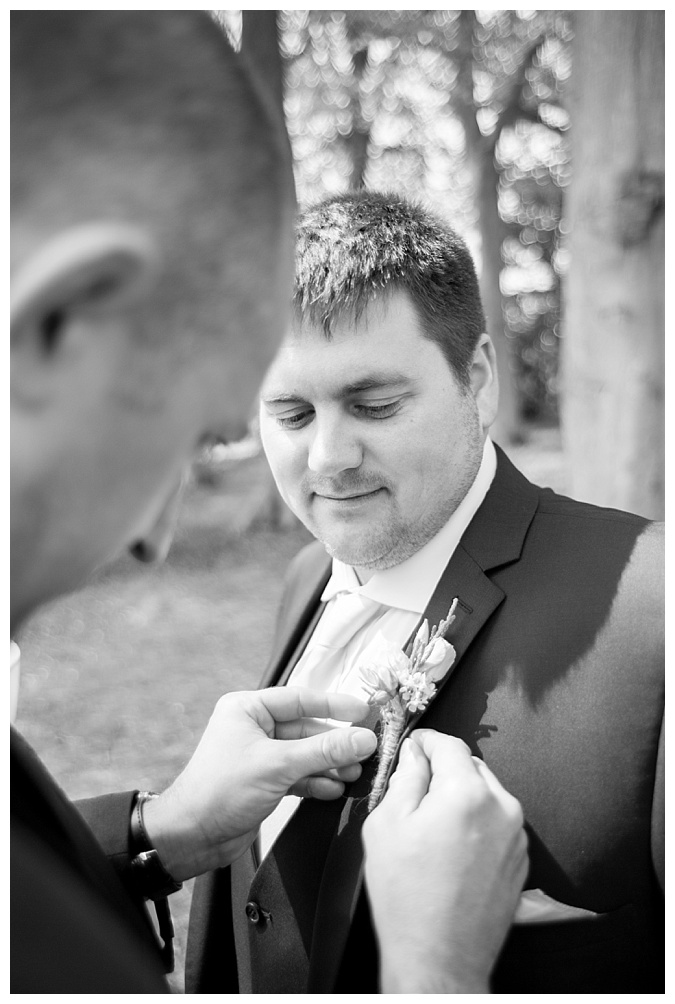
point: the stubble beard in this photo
(392, 544)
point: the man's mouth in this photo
(348, 496)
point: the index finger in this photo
(286, 704)
(450, 758)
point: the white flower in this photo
(380, 683)
(416, 691)
(411, 677)
(382, 679)
(437, 658)
(395, 660)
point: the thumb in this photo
(410, 781)
(336, 748)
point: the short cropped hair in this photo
(150, 117)
(352, 247)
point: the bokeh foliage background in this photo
(540, 136)
(466, 111)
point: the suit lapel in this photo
(495, 537)
(266, 962)
(302, 609)
(477, 599)
(342, 876)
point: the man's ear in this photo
(94, 268)
(484, 381)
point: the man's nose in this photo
(333, 448)
(154, 545)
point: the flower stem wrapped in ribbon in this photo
(403, 683)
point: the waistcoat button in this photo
(256, 914)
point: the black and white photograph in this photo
(337, 502)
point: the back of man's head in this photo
(149, 117)
(152, 204)
(353, 248)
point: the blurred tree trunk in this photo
(358, 139)
(481, 155)
(613, 349)
(508, 425)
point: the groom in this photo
(375, 418)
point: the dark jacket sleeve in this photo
(64, 937)
(74, 927)
(107, 816)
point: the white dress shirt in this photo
(403, 592)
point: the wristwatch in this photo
(151, 878)
(154, 881)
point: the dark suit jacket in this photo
(558, 686)
(76, 924)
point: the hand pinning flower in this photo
(402, 684)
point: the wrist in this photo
(152, 877)
(424, 977)
(181, 844)
(166, 836)
(442, 983)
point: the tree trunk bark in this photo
(507, 428)
(359, 138)
(480, 153)
(612, 365)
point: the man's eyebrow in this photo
(373, 381)
(376, 380)
(280, 398)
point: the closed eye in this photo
(378, 410)
(295, 420)
(302, 416)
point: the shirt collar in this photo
(410, 585)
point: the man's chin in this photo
(360, 554)
(374, 555)
(360, 546)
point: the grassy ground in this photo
(118, 680)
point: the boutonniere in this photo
(401, 684)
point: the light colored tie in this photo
(321, 663)
(320, 667)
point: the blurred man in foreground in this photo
(152, 199)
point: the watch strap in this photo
(151, 878)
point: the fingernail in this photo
(406, 750)
(363, 743)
